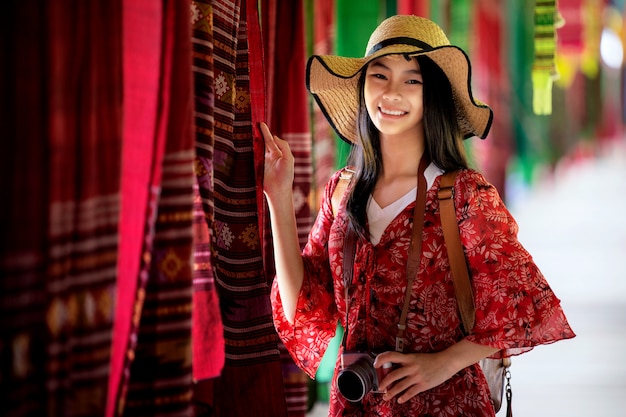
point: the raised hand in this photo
(279, 165)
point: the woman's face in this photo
(393, 96)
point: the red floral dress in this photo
(515, 307)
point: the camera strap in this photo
(415, 248)
(414, 255)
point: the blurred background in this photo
(135, 250)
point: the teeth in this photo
(392, 112)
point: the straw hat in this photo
(333, 79)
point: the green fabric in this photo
(436, 12)
(460, 22)
(356, 20)
(530, 131)
(544, 70)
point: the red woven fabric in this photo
(142, 71)
(288, 118)
(61, 85)
(208, 332)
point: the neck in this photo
(401, 156)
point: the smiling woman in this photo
(406, 107)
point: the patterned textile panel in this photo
(208, 339)
(59, 242)
(288, 109)
(81, 287)
(240, 275)
(160, 375)
(251, 381)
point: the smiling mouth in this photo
(392, 112)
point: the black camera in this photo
(358, 376)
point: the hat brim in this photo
(333, 82)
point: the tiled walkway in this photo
(575, 227)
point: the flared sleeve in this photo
(316, 317)
(515, 307)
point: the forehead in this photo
(395, 61)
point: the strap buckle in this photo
(399, 344)
(446, 193)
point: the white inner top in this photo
(379, 218)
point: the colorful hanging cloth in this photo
(208, 333)
(251, 380)
(544, 69)
(61, 85)
(151, 364)
(287, 116)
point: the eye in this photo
(414, 82)
(378, 75)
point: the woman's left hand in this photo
(418, 372)
(412, 373)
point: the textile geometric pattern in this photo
(60, 181)
(287, 115)
(160, 375)
(544, 69)
(156, 371)
(207, 330)
(81, 291)
(239, 270)
(251, 352)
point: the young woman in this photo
(406, 104)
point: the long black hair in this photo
(443, 139)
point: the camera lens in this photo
(356, 380)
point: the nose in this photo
(392, 92)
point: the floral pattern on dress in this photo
(515, 307)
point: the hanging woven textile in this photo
(287, 116)
(544, 69)
(61, 85)
(208, 333)
(154, 309)
(251, 381)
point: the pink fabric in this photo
(515, 308)
(142, 156)
(288, 119)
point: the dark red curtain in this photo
(98, 246)
(61, 87)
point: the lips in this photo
(390, 112)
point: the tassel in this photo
(542, 92)
(544, 68)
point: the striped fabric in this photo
(288, 118)
(251, 380)
(61, 89)
(208, 338)
(544, 70)
(156, 298)
(160, 376)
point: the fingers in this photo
(270, 140)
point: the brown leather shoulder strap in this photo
(456, 257)
(340, 189)
(415, 248)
